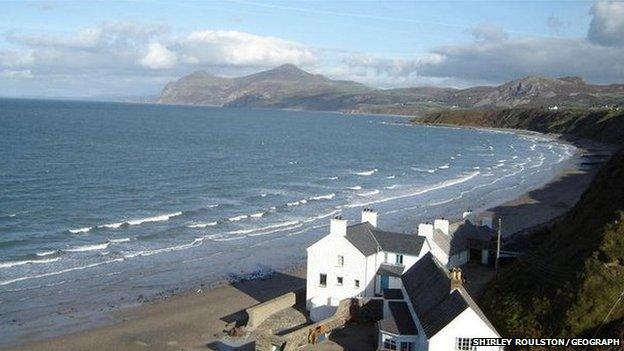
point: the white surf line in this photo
(159, 218)
(9, 264)
(11, 281)
(438, 186)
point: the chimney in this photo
(370, 216)
(442, 224)
(469, 216)
(487, 219)
(457, 280)
(338, 226)
(426, 230)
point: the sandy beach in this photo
(196, 319)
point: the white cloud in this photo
(607, 24)
(218, 47)
(13, 74)
(159, 57)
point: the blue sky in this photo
(133, 48)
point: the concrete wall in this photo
(260, 312)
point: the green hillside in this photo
(568, 285)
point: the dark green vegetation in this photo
(569, 281)
(290, 87)
(568, 285)
(604, 125)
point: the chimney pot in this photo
(442, 225)
(370, 216)
(338, 226)
(457, 280)
(426, 230)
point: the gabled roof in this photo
(369, 240)
(399, 321)
(428, 288)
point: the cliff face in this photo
(605, 125)
(571, 282)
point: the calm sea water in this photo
(101, 203)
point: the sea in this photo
(106, 205)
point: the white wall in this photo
(439, 253)
(323, 258)
(467, 325)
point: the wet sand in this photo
(197, 319)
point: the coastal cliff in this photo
(602, 125)
(570, 283)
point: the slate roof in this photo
(369, 240)
(392, 270)
(399, 321)
(428, 288)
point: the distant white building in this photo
(456, 244)
(357, 261)
(432, 311)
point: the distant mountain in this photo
(288, 86)
(283, 86)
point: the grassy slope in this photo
(568, 284)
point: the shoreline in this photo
(150, 323)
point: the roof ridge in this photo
(370, 231)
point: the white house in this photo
(432, 311)
(456, 244)
(357, 261)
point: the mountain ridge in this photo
(288, 86)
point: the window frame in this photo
(464, 344)
(389, 343)
(340, 261)
(321, 276)
(398, 259)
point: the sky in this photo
(133, 48)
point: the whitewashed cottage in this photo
(457, 243)
(357, 261)
(426, 308)
(432, 311)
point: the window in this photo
(399, 259)
(407, 346)
(464, 344)
(357, 283)
(389, 344)
(385, 257)
(338, 280)
(323, 280)
(340, 261)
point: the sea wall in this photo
(260, 312)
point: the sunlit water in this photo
(101, 203)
